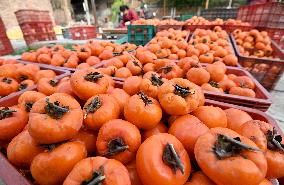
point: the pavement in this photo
(276, 110)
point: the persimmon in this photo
(118, 139)
(231, 76)
(206, 58)
(135, 67)
(53, 165)
(199, 178)
(236, 117)
(44, 58)
(244, 82)
(187, 129)
(131, 85)
(265, 182)
(93, 60)
(44, 74)
(8, 70)
(72, 61)
(125, 58)
(150, 85)
(96, 49)
(121, 97)
(88, 82)
(182, 45)
(242, 92)
(47, 86)
(216, 72)
(173, 57)
(220, 154)
(87, 137)
(55, 118)
(146, 57)
(134, 178)
(198, 76)
(212, 86)
(98, 170)
(105, 55)
(99, 109)
(26, 72)
(22, 149)
(203, 48)
(57, 60)
(29, 56)
(123, 72)
(8, 86)
(83, 52)
(143, 111)
(28, 98)
(226, 84)
(113, 62)
(162, 53)
(181, 53)
(159, 128)
(211, 116)
(161, 159)
(230, 60)
(12, 122)
(192, 52)
(179, 96)
(170, 71)
(26, 84)
(83, 66)
(221, 64)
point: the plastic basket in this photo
(82, 32)
(266, 71)
(140, 34)
(28, 15)
(262, 101)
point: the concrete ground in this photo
(276, 110)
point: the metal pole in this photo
(86, 8)
(206, 4)
(230, 4)
(93, 2)
(164, 7)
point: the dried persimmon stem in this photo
(115, 146)
(182, 91)
(165, 69)
(226, 146)
(54, 110)
(7, 80)
(171, 158)
(53, 83)
(97, 178)
(6, 113)
(93, 76)
(93, 106)
(214, 84)
(274, 140)
(145, 98)
(156, 80)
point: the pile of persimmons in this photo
(82, 56)
(93, 131)
(16, 76)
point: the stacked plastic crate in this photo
(267, 17)
(5, 45)
(36, 25)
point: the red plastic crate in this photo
(265, 15)
(266, 71)
(28, 15)
(83, 32)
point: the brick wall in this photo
(8, 7)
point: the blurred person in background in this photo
(128, 15)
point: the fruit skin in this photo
(134, 178)
(124, 130)
(242, 92)
(236, 118)
(159, 128)
(131, 85)
(52, 167)
(198, 76)
(232, 170)
(142, 111)
(150, 166)
(187, 129)
(28, 98)
(199, 178)
(211, 116)
(115, 172)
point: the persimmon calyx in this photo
(145, 98)
(214, 84)
(274, 140)
(97, 178)
(93, 76)
(156, 80)
(83, 50)
(7, 80)
(6, 113)
(182, 91)
(115, 146)
(28, 106)
(165, 69)
(54, 110)
(23, 77)
(226, 146)
(171, 158)
(53, 83)
(93, 106)
(51, 147)
(22, 86)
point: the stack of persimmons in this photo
(151, 131)
(15, 77)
